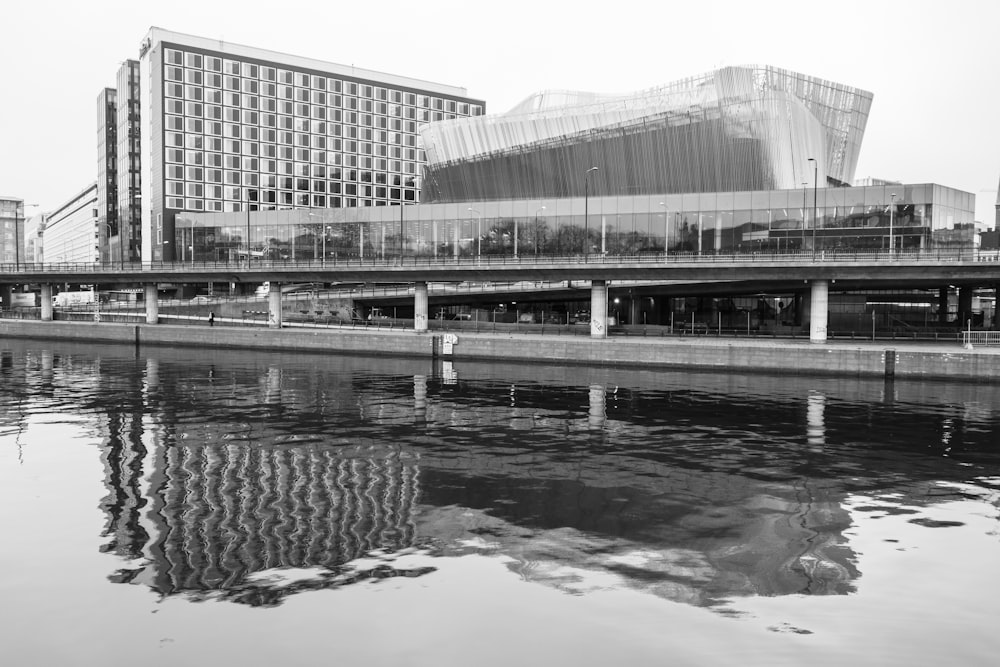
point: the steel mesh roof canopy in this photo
(737, 128)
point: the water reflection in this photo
(248, 480)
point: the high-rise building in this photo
(107, 173)
(227, 128)
(11, 230)
(129, 161)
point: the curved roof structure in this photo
(737, 128)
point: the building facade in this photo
(903, 216)
(734, 129)
(228, 128)
(11, 229)
(129, 163)
(107, 173)
(72, 232)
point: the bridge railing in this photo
(937, 255)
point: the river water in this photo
(190, 507)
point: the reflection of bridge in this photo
(842, 270)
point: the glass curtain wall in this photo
(776, 221)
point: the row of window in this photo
(262, 155)
(276, 173)
(177, 137)
(230, 105)
(209, 70)
(237, 193)
(282, 200)
(213, 86)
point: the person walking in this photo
(211, 318)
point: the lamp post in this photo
(804, 214)
(479, 232)
(401, 232)
(815, 178)
(248, 229)
(537, 211)
(666, 228)
(892, 207)
(586, 211)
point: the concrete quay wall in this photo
(884, 360)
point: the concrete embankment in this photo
(946, 360)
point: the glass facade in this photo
(128, 162)
(107, 173)
(236, 128)
(847, 218)
(737, 128)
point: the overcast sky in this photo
(934, 67)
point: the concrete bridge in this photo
(966, 269)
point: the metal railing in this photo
(926, 256)
(973, 338)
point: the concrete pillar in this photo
(943, 305)
(420, 307)
(46, 304)
(598, 309)
(152, 305)
(597, 413)
(274, 306)
(964, 306)
(819, 296)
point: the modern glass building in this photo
(129, 162)
(835, 218)
(734, 129)
(107, 173)
(230, 128)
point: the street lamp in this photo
(892, 206)
(666, 227)
(815, 179)
(400, 232)
(537, 211)
(248, 228)
(586, 211)
(479, 232)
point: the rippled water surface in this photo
(168, 507)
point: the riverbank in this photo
(903, 360)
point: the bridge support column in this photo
(46, 304)
(420, 307)
(152, 304)
(598, 309)
(274, 306)
(819, 297)
(964, 306)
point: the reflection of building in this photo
(734, 129)
(234, 128)
(219, 514)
